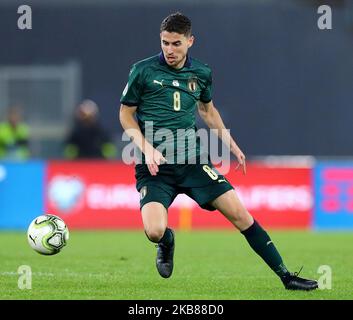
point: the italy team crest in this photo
(143, 192)
(192, 84)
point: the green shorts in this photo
(201, 182)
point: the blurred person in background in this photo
(14, 136)
(87, 138)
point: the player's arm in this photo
(127, 119)
(213, 119)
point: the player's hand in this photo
(241, 160)
(153, 159)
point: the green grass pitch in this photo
(208, 265)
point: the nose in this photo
(169, 50)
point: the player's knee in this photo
(155, 234)
(241, 218)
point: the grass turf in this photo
(208, 265)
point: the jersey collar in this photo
(186, 64)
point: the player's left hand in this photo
(241, 160)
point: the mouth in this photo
(171, 59)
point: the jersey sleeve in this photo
(132, 92)
(206, 93)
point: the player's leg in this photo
(154, 202)
(155, 220)
(212, 191)
(156, 195)
(231, 207)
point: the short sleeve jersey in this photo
(166, 100)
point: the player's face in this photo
(175, 46)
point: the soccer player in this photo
(163, 91)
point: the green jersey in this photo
(166, 100)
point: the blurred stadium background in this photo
(283, 87)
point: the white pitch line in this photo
(68, 274)
(12, 273)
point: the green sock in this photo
(167, 238)
(261, 243)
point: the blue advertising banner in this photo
(21, 193)
(333, 189)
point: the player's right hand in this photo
(153, 159)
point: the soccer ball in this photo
(47, 234)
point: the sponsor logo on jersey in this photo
(175, 83)
(158, 82)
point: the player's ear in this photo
(191, 41)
